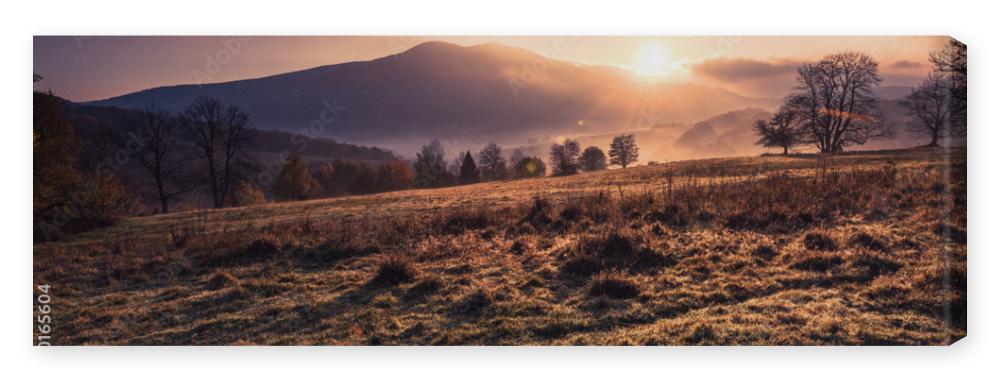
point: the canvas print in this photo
(499, 190)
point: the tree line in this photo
(834, 106)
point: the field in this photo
(855, 249)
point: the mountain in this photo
(464, 95)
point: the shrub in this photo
(393, 271)
(613, 285)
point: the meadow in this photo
(863, 248)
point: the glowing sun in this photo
(652, 60)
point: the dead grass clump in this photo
(257, 250)
(465, 220)
(220, 280)
(614, 251)
(476, 302)
(615, 285)
(571, 213)
(818, 241)
(539, 213)
(343, 247)
(425, 288)
(701, 334)
(875, 265)
(393, 271)
(955, 234)
(866, 240)
(583, 266)
(765, 252)
(671, 215)
(818, 263)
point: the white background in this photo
(972, 22)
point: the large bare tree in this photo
(835, 99)
(929, 106)
(222, 137)
(153, 144)
(952, 61)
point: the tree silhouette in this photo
(565, 158)
(430, 169)
(529, 167)
(468, 172)
(624, 150)
(154, 135)
(222, 137)
(952, 61)
(593, 159)
(783, 130)
(928, 107)
(492, 165)
(835, 100)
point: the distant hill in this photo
(463, 95)
(89, 120)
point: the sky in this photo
(98, 67)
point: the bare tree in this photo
(929, 108)
(623, 150)
(783, 130)
(153, 144)
(836, 102)
(222, 136)
(952, 61)
(492, 164)
(565, 158)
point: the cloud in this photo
(906, 64)
(742, 69)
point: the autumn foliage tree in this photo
(394, 175)
(294, 182)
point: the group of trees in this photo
(567, 160)
(834, 105)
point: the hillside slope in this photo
(861, 248)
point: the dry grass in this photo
(864, 248)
